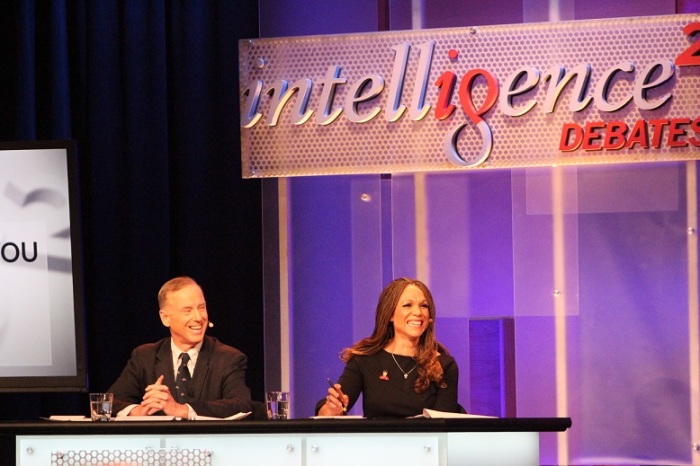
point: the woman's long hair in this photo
(426, 356)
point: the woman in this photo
(400, 369)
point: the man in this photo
(211, 382)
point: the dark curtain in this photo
(149, 91)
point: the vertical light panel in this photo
(559, 267)
(422, 252)
(417, 9)
(422, 240)
(693, 304)
(559, 288)
(285, 344)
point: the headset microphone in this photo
(211, 325)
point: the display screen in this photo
(41, 302)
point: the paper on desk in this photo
(235, 417)
(69, 418)
(337, 417)
(431, 413)
(122, 418)
(143, 418)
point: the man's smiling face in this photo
(185, 313)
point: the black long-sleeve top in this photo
(386, 393)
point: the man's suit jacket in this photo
(218, 382)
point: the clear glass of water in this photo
(277, 404)
(101, 406)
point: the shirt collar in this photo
(194, 353)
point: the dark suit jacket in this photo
(218, 383)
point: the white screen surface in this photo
(40, 299)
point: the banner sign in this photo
(567, 93)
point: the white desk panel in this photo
(374, 449)
(493, 448)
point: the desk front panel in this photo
(338, 449)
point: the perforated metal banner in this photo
(566, 93)
(150, 457)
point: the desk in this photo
(300, 442)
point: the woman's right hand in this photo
(336, 402)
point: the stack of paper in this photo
(235, 417)
(431, 413)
